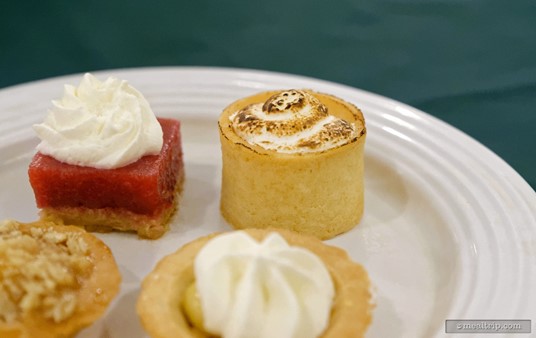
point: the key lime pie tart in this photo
(256, 283)
(54, 280)
(106, 162)
(293, 159)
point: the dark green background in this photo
(469, 63)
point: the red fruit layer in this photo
(144, 187)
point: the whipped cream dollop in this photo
(267, 289)
(292, 121)
(98, 124)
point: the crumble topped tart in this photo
(54, 280)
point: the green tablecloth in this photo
(470, 63)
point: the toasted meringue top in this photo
(292, 121)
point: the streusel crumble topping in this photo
(41, 270)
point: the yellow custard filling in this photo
(191, 305)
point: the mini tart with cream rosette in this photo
(167, 307)
(54, 280)
(293, 159)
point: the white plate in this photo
(448, 232)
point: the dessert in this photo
(106, 162)
(293, 159)
(256, 283)
(54, 280)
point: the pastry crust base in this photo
(319, 193)
(94, 295)
(109, 219)
(159, 304)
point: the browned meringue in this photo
(292, 121)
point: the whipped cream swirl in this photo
(292, 121)
(267, 289)
(98, 124)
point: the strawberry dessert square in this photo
(92, 171)
(138, 197)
